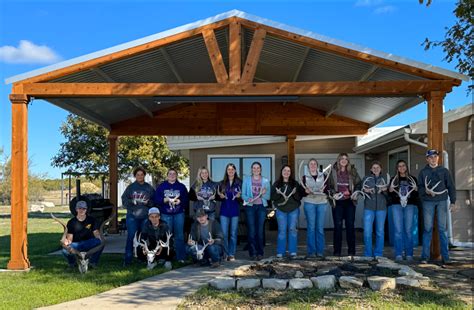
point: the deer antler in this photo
(431, 191)
(167, 243)
(256, 197)
(278, 190)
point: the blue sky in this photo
(34, 34)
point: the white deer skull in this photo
(403, 196)
(150, 254)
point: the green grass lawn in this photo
(49, 282)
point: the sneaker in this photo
(293, 256)
(215, 265)
(409, 258)
(279, 255)
(423, 261)
(230, 258)
(168, 265)
(398, 258)
(310, 256)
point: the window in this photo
(397, 154)
(217, 164)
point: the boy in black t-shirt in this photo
(82, 235)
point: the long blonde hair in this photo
(338, 165)
(198, 182)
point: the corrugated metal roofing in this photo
(188, 61)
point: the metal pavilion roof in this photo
(187, 61)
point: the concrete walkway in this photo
(164, 291)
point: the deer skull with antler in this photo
(150, 254)
(200, 251)
(403, 194)
(83, 257)
(173, 201)
(207, 200)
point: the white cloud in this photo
(385, 9)
(28, 53)
(368, 2)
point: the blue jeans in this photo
(403, 229)
(83, 246)
(133, 225)
(214, 252)
(315, 216)
(287, 226)
(369, 216)
(256, 215)
(230, 244)
(428, 218)
(176, 226)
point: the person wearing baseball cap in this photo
(205, 233)
(436, 185)
(157, 230)
(82, 235)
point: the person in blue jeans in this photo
(315, 204)
(403, 185)
(172, 198)
(82, 235)
(435, 199)
(286, 196)
(230, 191)
(256, 193)
(137, 199)
(205, 233)
(375, 208)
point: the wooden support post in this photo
(291, 153)
(113, 179)
(19, 177)
(235, 52)
(435, 141)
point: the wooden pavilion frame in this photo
(214, 118)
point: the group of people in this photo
(159, 214)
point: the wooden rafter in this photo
(215, 56)
(344, 51)
(346, 88)
(125, 53)
(170, 63)
(253, 56)
(235, 52)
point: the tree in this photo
(86, 150)
(457, 43)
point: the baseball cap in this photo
(81, 204)
(153, 211)
(431, 152)
(200, 212)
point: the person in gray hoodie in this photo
(435, 185)
(137, 199)
(375, 209)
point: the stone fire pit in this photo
(325, 274)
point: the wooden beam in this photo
(435, 141)
(240, 119)
(96, 62)
(300, 66)
(113, 179)
(346, 88)
(254, 56)
(346, 52)
(290, 140)
(19, 184)
(215, 56)
(134, 101)
(235, 52)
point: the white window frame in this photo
(398, 150)
(272, 156)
